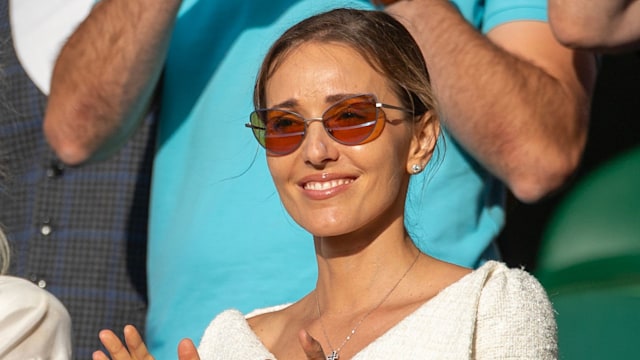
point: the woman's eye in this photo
(350, 116)
(283, 124)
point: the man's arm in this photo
(599, 25)
(515, 99)
(105, 77)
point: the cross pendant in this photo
(333, 356)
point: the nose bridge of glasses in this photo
(308, 121)
(317, 145)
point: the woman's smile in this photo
(324, 186)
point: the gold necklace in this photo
(335, 351)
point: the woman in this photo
(33, 323)
(347, 115)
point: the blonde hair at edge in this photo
(4, 253)
(4, 243)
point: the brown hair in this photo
(379, 38)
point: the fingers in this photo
(99, 355)
(187, 350)
(135, 349)
(113, 345)
(136, 346)
(311, 346)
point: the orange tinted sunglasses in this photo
(354, 120)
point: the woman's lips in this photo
(324, 186)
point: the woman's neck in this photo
(352, 273)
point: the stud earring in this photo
(415, 168)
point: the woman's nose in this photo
(318, 147)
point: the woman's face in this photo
(328, 188)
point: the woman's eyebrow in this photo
(330, 99)
(287, 104)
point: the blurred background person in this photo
(78, 232)
(33, 323)
(611, 26)
(610, 30)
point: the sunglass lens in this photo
(284, 131)
(352, 121)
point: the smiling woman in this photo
(347, 116)
(371, 170)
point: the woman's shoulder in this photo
(267, 310)
(492, 278)
(235, 318)
(513, 308)
(33, 322)
(20, 295)
(17, 284)
(505, 281)
(230, 336)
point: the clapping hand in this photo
(135, 348)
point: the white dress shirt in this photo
(39, 29)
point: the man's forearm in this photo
(605, 26)
(105, 76)
(522, 121)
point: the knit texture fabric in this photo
(492, 313)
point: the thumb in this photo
(187, 350)
(311, 346)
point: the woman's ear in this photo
(426, 132)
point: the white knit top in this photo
(492, 313)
